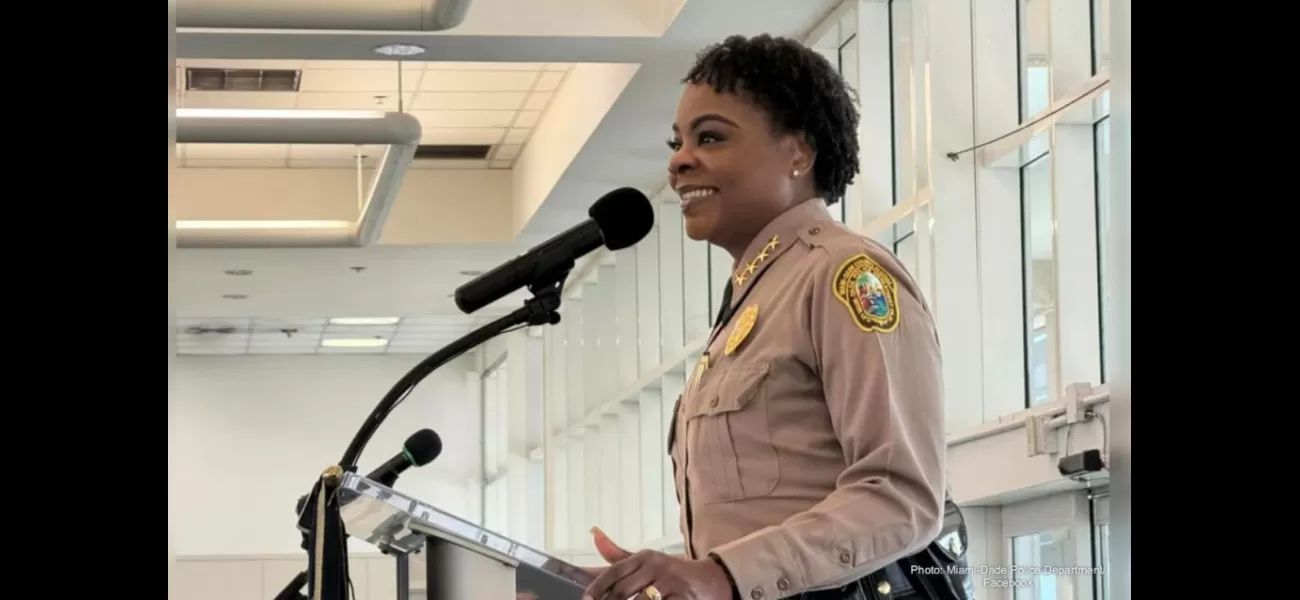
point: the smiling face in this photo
(733, 173)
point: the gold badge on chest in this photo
(740, 332)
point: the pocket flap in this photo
(735, 389)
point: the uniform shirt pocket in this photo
(730, 454)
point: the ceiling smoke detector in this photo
(400, 50)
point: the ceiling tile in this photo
(502, 164)
(485, 135)
(484, 66)
(199, 163)
(434, 320)
(283, 350)
(538, 100)
(326, 80)
(507, 152)
(416, 349)
(357, 65)
(247, 100)
(477, 81)
(318, 163)
(236, 151)
(464, 118)
(353, 101)
(210, 351)
(516, 136)
(270, 338)
(346, 152)
(296, 322)
(527, 118)
(469, 101)
(549, 81)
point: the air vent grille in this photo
(242, 80)
(452, 152)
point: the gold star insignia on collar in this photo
(749, 269)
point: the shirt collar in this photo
(773, 240)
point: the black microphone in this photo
(618, 220)
(418, 450)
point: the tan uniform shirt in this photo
(808, 447)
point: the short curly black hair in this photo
(801, 92)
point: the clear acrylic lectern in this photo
(465, 561)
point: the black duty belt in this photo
(937, 572)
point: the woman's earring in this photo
(796, 172)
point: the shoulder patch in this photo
(869, 292)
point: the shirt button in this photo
(814, 231)
(783, 584)
(756, 593)
(845, 557)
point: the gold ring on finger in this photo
(652, 593)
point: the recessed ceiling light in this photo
(239, 272)
(400, 49)
(375, 342)
(364, 320)
(234, 296)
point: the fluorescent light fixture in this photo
(258, 113)
(376, 342)
(400, 49)
(263, 224)
(364, 320)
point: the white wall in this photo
(250, 434)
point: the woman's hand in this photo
(673, 576)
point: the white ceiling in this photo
(627, 148)
(261, 335)
(384, 281)
(305, 289)
(502, 79)
(494, 104)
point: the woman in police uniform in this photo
(808, 447)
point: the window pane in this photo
(1035, 57)
(1101, 34)
(1029, 553)
(1038, 232)
(905, 244)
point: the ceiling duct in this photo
(345, 15)
(400, 132)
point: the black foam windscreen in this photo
(624, 216)
(423, 446)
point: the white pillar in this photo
(943, 112)
(1001, 299)
(1119, 280)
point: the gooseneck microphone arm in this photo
(541, 309)
(619, 220)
